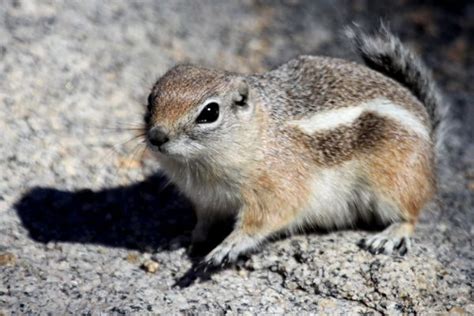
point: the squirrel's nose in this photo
(157, 136)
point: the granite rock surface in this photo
(86, 224)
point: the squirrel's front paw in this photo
(228, 251)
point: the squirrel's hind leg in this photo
(395, 238)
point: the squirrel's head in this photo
(195, 113)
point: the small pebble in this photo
(243, 273)
(150, 266)
(7, 258)
(132, 258)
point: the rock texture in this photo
(86, 226)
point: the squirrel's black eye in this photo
(209, 114)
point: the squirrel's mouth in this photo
(179, 147)
(159, 149)
(169, 150)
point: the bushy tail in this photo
(385, 53)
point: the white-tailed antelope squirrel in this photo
(316, 142)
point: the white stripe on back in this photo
(332, 119)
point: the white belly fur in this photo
(340, 197)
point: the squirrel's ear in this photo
(241, 92)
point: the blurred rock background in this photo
(85, 224)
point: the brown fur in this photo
(346, 142)
(402, 170)
(181, 89)
(397, 161)
(273, 201)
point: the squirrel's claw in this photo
(230, 249)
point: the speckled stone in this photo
(81, 209)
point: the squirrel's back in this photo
(310, 84)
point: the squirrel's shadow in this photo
(147, 216)
(142, 216)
